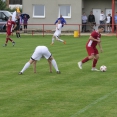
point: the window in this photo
(15, 1)
(65, 11)
(2, 17)
(39, 11)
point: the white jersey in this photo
(108, 19)
(58, 29)
(41, 51)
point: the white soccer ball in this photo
(103, 68)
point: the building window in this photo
(14, 1)
(65, 11)
(38, 11)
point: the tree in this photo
(2, 5)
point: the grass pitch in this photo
(73, 93)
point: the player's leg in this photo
(95, 60)
(48, 56)
(58, 39)
(35, 56)
(7, 38)
(53, 37)
(18, 32)
(11, 40)
(90, 52)
(54, 64)
(50, 65)
(27, 65)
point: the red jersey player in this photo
(9, 29)
(92, 51)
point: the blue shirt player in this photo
(62, 20)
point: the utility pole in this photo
(7, 2)
(113, 13)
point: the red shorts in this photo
(8, 33)
(92, 51)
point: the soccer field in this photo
(73, 93)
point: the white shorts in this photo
(41, 51)
(57, 34)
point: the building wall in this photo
(89, 5)
(97, 4)
(51, 12)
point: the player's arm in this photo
(14, 25)
(50, 65)
(34, 66)
(91, 38)
(56, 21)
(100, 46)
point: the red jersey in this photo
(9, 25)
(95, 35)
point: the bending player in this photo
(58, 33)
(9, 29)
(92, 51)
(40, 52)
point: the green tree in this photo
(2, 5)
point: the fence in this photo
(50, 28)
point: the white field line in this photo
(93, 103)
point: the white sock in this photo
(54, 64)
(25, 67)
(52, 40)
(59, 39)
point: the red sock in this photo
(7, 40)
(85, 60)
(94, 62)
(10, 39)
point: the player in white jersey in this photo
(58, 33)
(40, 52)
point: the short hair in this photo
(101, 26)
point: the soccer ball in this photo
(103, 68)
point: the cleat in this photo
(58, 72)
(4, 45)
(94, 69)
(80, 65)
(64, 42)
(13, 43)
(52, 44)
(20, 73)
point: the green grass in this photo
(73, 93)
